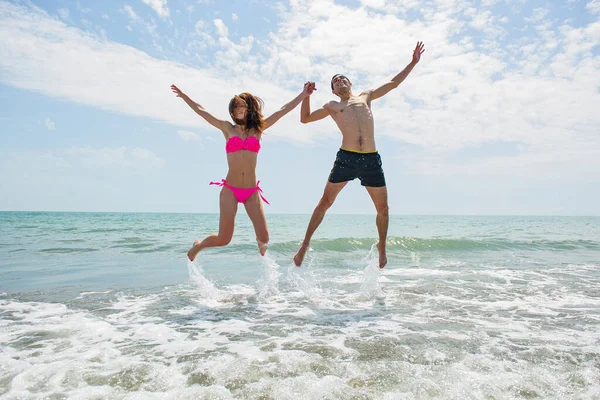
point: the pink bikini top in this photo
(236, 143)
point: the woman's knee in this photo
(263, 237)
(224, 240)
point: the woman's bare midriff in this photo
(242, 169)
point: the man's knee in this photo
(382, 209)
(326, 202)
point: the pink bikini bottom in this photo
(241, 194)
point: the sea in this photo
(107, 306)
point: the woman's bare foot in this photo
(262, 247)
(299, 257)
(382, 257)
(193, 252)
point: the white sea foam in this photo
(205, 287)
(342, 331)
(269, 284)
(290, 350)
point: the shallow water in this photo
(106, 306)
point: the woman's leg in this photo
(256, 213)
(228, 209)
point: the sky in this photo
(500, 117)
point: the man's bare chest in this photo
(351, 106)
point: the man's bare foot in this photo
(262, 247)
(193, 252)
(382, 257)
(299, 257)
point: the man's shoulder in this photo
(331, 106)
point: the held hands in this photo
(419, 49)
(177, 91)
(309, 88)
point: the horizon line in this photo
(295, 213)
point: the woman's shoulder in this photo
(230, 131)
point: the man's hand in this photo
(419, 49)
(309, 88)
(398, 79)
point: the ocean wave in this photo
(107, 230)
(349, 244)
(159, 249)
(134, 245)
(68, 250)
(407, 243)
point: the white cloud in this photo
(201, 26)
(160, 6)
(234, 16)
(373, 3)
(147, 157)
(84, 178)
(30, 162)
(99, 158)
(205, 40)
(538, 92)
(150, 26)
(488, 3)
(119, 157)
(63, 13)
(462, 94)
(187, 135)
(221, 27)
(483, 20)
(100, 70)
(132, 15)
(593, 7)
(82, 9)
(538, 15)
(50, 124)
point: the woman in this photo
(242, 146)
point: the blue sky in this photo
(500, 117)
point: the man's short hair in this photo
(335, 76)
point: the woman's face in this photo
(239, 111)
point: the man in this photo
(358, 156)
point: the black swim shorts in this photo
(349, 165)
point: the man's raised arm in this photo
(306, 116)
(397, 80)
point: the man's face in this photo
(340, 82)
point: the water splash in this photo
(269, 284)
(370, 284)
(304, 280)
(205, 286)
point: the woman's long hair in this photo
(254, 106)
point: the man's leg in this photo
(330, 193)
(379, 197)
